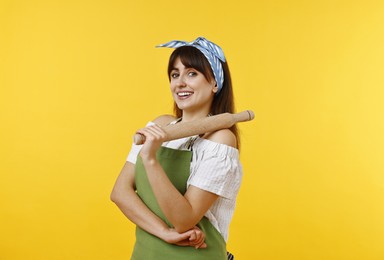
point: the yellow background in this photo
(78, 78)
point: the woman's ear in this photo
(215, 88)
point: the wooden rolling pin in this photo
(201, 126)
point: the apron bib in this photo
(176, 164)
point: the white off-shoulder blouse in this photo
(215, 168)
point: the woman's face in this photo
(191, 91)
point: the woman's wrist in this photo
(165, 234)
(149, 160)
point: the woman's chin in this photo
(182, 105)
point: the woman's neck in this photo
(187, 116)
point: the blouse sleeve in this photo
(133, 153)
(217, 170)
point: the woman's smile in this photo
(184, 94)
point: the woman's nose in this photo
(181, 81)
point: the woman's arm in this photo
(125, 197)
(182, 211)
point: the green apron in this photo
(176, 164)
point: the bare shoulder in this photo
(164, 120)
(223, 136)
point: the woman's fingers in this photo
(153, 132)
(197, 239)
(202, 245)
(200, 237)
(193, 236)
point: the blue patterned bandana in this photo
(211, 51)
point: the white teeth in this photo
(184, 94)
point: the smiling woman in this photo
(181, 193)
(192, 58)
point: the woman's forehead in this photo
(178, 64)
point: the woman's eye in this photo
(174, 75)
(192, 73)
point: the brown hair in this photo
(223, 102)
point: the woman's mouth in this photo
(184, 94)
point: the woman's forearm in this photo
(137, 212)
(125, 197)
(177, 208)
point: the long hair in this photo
(223, 102)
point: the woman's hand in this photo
(194, 237)
(154, 137)
(199, 240)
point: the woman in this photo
(181, 194)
